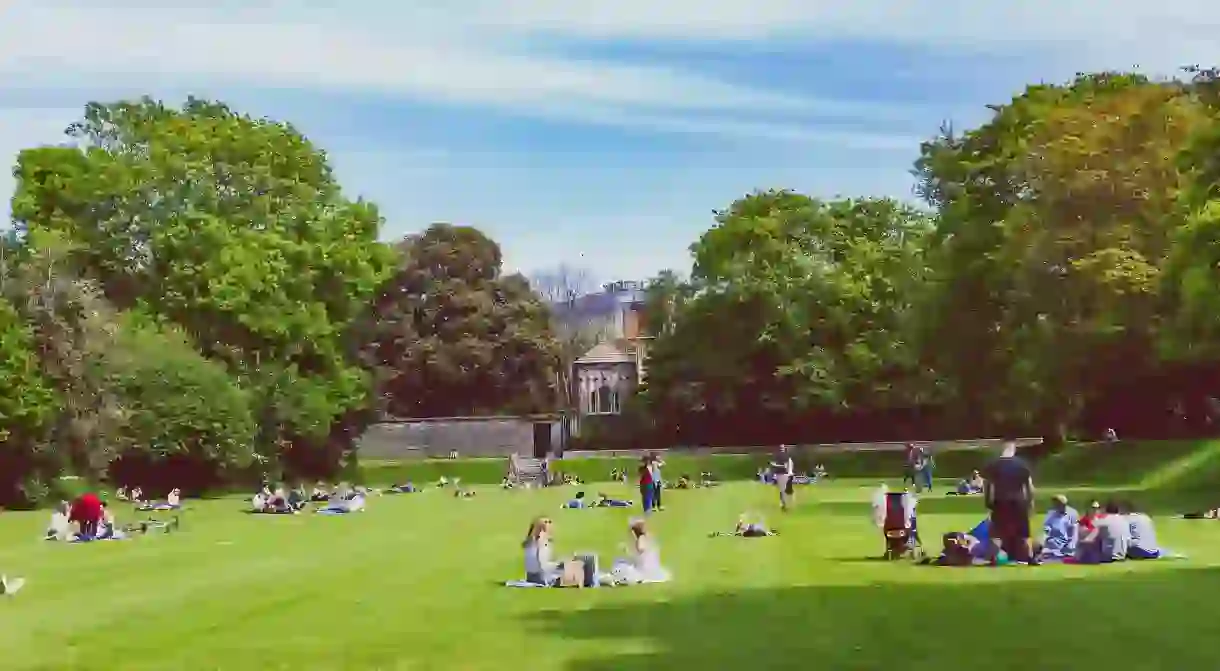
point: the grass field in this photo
(414, 583)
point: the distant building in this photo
(607, 374)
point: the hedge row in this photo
(1177, 463)
(724, 466)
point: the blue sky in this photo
(595, 134)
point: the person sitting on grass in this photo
(297, 498)
(1142, 532)
(321, 493)
(604, 501)
(684, 482)
(1060, 530)
(643, 561)
(747, 529)
(819, 472)
(569, 479)
(61, 526)
(577, 502)
(136, 496)
(707, 479)
(970, 485)
(540, 568)
(460, 493)
(1107, 540)
(507, 483)
(86, 511)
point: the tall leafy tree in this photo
(454, 336)
(1055, 220)
(797, 302)
(230, 226)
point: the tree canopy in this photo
(188, 289)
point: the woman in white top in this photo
(1143, 534)
(644, 563)
(61, 527)
(540, 569)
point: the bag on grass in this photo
(573, 574)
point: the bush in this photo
(187, 421)
(27, 405)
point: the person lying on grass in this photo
(604, 501)
(577, 502)
(747, 529)
(408, 488)
(462, 493)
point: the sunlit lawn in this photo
(414, 583)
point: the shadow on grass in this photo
(1148, 620)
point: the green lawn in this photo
(413, 583)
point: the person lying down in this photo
(173, 501)
(344, 502)
(748, 529)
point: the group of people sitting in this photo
(340, 500)
(641, 563)
(135, 495)
(89, 518)
(1114, 532)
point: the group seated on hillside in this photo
(970, 485)
(279, 501)
(746, 528)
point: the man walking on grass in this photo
(1008, 492)
(783, 469)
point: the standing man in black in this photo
(1008, 490)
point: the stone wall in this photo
(435, 438)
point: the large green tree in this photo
(795, 303)
(231, 227)
(1055, 218)
(452, 335)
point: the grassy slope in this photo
(411, 584)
